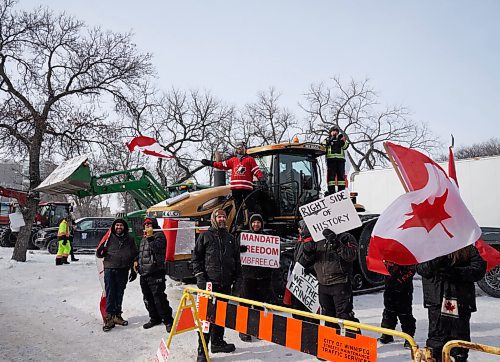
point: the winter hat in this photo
(214, 215)
(256, 217)
(153, 221)
(334, 128)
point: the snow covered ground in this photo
(50, 313)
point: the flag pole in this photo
(396, 168)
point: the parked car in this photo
(87, 233)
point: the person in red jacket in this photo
(243, 169)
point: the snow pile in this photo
(50, 313)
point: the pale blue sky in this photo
(441, 59)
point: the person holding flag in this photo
(449, 296)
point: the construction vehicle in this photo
(48, 215)
(74, 177)
(477, 177)
(293, 178)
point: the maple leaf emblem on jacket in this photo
(241, 170)
(428, 215)
(449, 306)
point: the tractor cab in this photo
(293, 178)
(49, 214)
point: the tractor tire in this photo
(7, 239)
(490, 284)
(52, 246)
(372, 279)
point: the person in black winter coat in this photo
(216, 259)
(151, 267)
(449, 296)
(333, 259)
(398, 297)
(256, 279)
(119, 253)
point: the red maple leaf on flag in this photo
(449, 306)
(428, 215)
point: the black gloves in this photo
(132, 276)
(243, 248)
(206, 162)
(201, 281)
(102, 251)
(64, 242)
(262, 185)
(331, 238)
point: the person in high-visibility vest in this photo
(336, 143)
(64, 246)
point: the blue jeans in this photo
(115, 281)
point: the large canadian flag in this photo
(148, 146)
(428, 221)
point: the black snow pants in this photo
(335, 169)
(155, 299)
(443, 329)
(336, 301)
(398, 304)
(216, 333)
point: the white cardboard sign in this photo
(162, 353)
(262, 250)
(335, 212)
(304, 287)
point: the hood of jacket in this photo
(213, 221)
(125, 228)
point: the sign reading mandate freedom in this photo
(262, 250)
(335, 212)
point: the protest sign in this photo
(304, 287)
(335, 212)
(162, 353)
(262, 250)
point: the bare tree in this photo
(490, 147)
(268, 123)
(181, 122)
(355, 108)
(54, 71)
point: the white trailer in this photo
(479, 182)
(478, 178)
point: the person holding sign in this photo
(336, 144)
(333, 259)
(216, 259)
(256, 279)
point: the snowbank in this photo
(50, 313)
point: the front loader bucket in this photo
(69, 177)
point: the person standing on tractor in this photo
(216, 259)
(336, 143)
(119, 252)
(64, 245)
(243, 169)
(151, 267)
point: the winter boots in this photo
(386, 338)
(108, 323)
(59, 261)
(118, 320)
(222, 346)
(65, 260)
(151, 324)
(245, 337)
